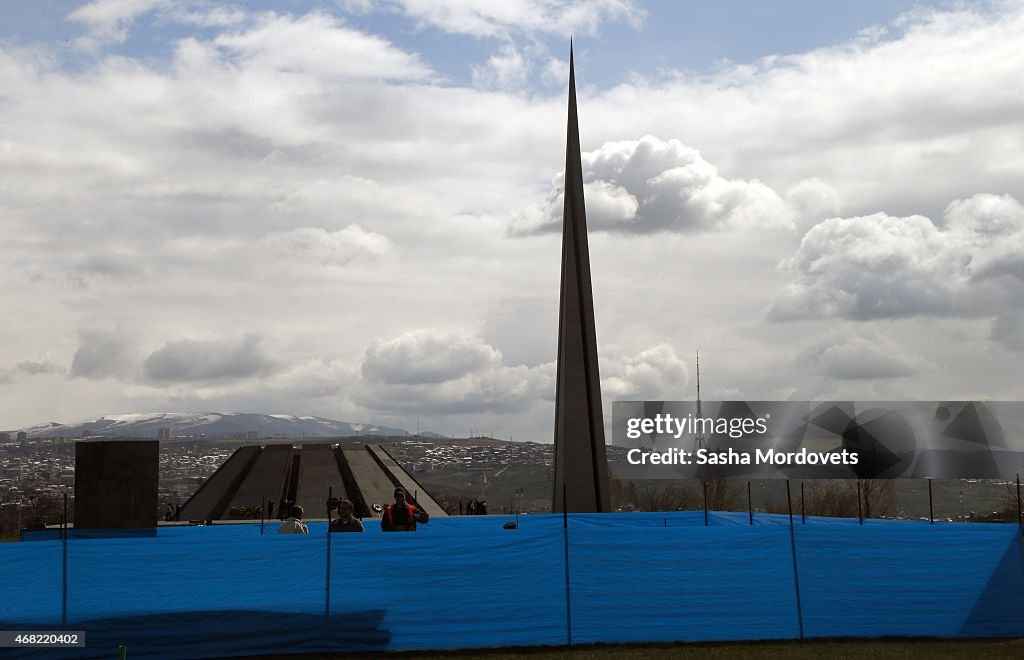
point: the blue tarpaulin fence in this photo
(225, 590)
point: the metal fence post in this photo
(789, 503)
(327, 572)
(803, 505)
(705, 484)
(931, 504)
(860, 512)
(565, 542)
(796, 571)
(750, 504)
(64, 569)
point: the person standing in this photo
(345, 521)
(294, 524)
(402, 516)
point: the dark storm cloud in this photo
(1008, 330)
(203, 360)
(27, 368)
(102, 354)
(35, 367)
(113, 266)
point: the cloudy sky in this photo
(351, 209)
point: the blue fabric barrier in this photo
(225, 590)
(681, 583)
(953, 580)
(30, 583)
(500, 587)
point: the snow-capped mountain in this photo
(146, 425)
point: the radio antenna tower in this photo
(699, 442)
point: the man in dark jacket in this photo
(402, 516)
(346, 522)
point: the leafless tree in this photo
(879, 498)
(1009, 500)
(839, 498)
(724, 495)
(664, 497)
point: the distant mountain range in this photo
(213, 425)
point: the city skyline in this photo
(351, 210)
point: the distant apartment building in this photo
(22, 436)
(163, 434)
(5, 437)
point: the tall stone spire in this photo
(581, 467)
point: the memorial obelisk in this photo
(581, 467)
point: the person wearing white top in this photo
(294, 524)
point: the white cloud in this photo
(320, 246)
(357, 7)
(312, 387)
(505, 69)
(180, 185)
(433, 371)
(109, 20)
(426, 357)
(498, 19)
(811, 201)
(992, 229)
(864, 355)
(880, 266)
(654, 374)
(321, 45)
(459, 375)
(868, 267)
(650, 185)
(555, 71)
(203, 14)
(927, 113)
